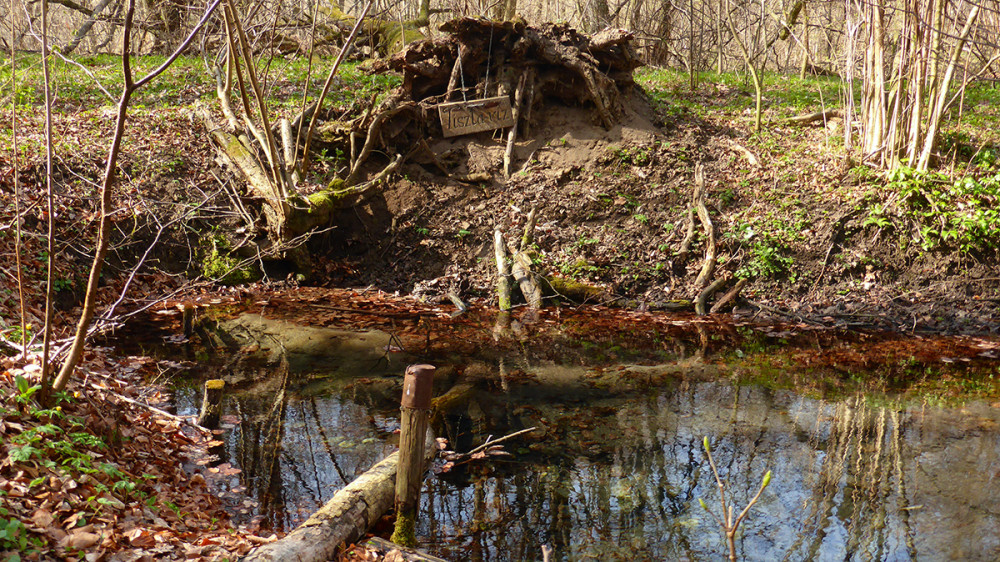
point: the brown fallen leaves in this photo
(97, 477)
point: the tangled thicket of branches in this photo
(477, 58)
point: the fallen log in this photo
(345, 518)
(808, 118)
(573, 290)
(457, 396)
(392, 552)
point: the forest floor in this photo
(821, 239)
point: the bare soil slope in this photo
(614, 209)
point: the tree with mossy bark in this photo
(274, 156)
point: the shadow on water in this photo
(616, 469)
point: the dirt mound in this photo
(610, 201)
(561, 138)
(584, 133)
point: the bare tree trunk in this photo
(918, 82)
(664, 32)
(509, 10)
(168, 25)
(903, 99)
(852, 28)
(873, 100)
(719, 9)
(805, 45)
(50, 242)
(691, 75)
(934, 120)
(754, 74)
(635, 18)
(17, 187)
(598, 16)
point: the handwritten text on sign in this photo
(464, 117)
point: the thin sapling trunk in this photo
(108, 183)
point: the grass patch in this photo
(784, 95)
(82, 83)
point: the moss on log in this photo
(573, 290)
(345, 518)
(316, 210)
(457, 396)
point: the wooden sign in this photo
(465, 117)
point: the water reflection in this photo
(617, 468)
(852, 481)
(293, 451)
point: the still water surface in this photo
(616, 469)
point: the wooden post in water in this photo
(211, 404)
(418, 386)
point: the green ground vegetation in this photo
(95, 81)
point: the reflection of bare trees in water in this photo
(636, 497)
(258, 451)
(512, 514)
(295, 452)
(859, 484)
(631, 500)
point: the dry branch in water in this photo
(491, 448)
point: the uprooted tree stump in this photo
(482, 58)
(477, 59)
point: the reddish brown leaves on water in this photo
(614, 334)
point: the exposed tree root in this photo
(701, 303)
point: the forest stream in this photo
(873, 440)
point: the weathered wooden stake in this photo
(418, 386)
(211, 404)
(521, 266)
(503, 271)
